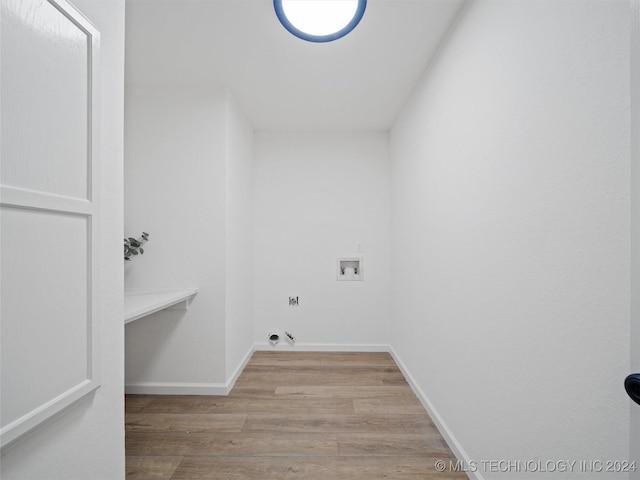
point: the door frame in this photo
(634, 441)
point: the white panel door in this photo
(48, 211)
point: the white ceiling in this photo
(281, 82)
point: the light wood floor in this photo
(290, 416)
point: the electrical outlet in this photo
(293, 301)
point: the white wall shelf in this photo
(141, 304)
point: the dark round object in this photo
(632, 386)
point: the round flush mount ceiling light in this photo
(319, 20)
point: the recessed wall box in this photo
(349, 269)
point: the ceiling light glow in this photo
(320, 17)
(319, 20)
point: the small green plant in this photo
(133, 246)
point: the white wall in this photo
(188, 183)
(175, 191)
(317, 197)
(87, 441)
(510, 181)
(239, 238)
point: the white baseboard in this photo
(231, 381)
(170, 388)
(284, 346)
(441, 425)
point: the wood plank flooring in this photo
(291, 415)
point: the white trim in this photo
(231, 381)
(634, 332)
(46, 411)
(441, 425)
(175, 388)
(178, 388)
(25, 198)
(321, 347)
(94, 167)
(170, 388)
